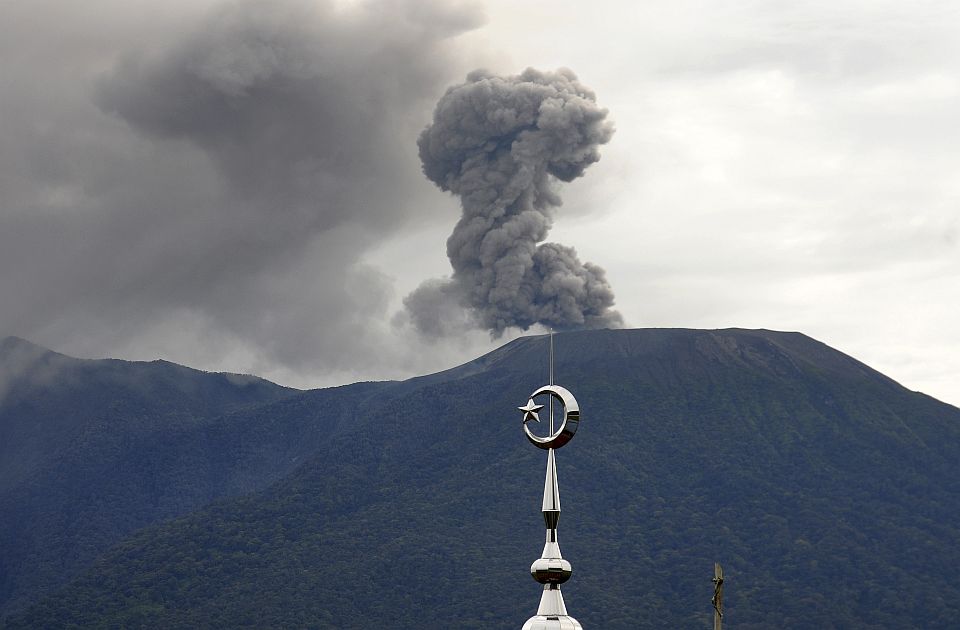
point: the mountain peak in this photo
(683, 348)
(768, 451)
(17, 354)
(13, 344)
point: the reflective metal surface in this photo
(571, 417)
(551, 569)
(552, 623)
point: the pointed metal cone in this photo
(551, 489)
(551, 602)
(551, 493)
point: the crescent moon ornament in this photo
(571, 417)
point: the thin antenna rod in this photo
(551, 380)
(551, 357)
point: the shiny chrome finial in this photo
(551, 569)
(571, 417)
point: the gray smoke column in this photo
(498, 143)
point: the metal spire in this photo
(551, 569)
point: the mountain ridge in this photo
(767, 451)
(69, 426)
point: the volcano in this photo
(828, 492)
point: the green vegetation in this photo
(91, 451)
(828, 492)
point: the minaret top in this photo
(551, 569)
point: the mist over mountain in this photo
(828, 492)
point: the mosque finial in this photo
(551, 569)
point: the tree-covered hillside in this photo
(91, 451)
(828, 492)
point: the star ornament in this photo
(530, 411)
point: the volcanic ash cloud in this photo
(498, 143)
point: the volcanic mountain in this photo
(828, 492)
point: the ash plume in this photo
(203, 181)
(498, 143)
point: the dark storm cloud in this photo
(225, 176)
(497, 143)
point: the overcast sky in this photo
(236, 185)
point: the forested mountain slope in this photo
(828, 492)
(91, 451)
